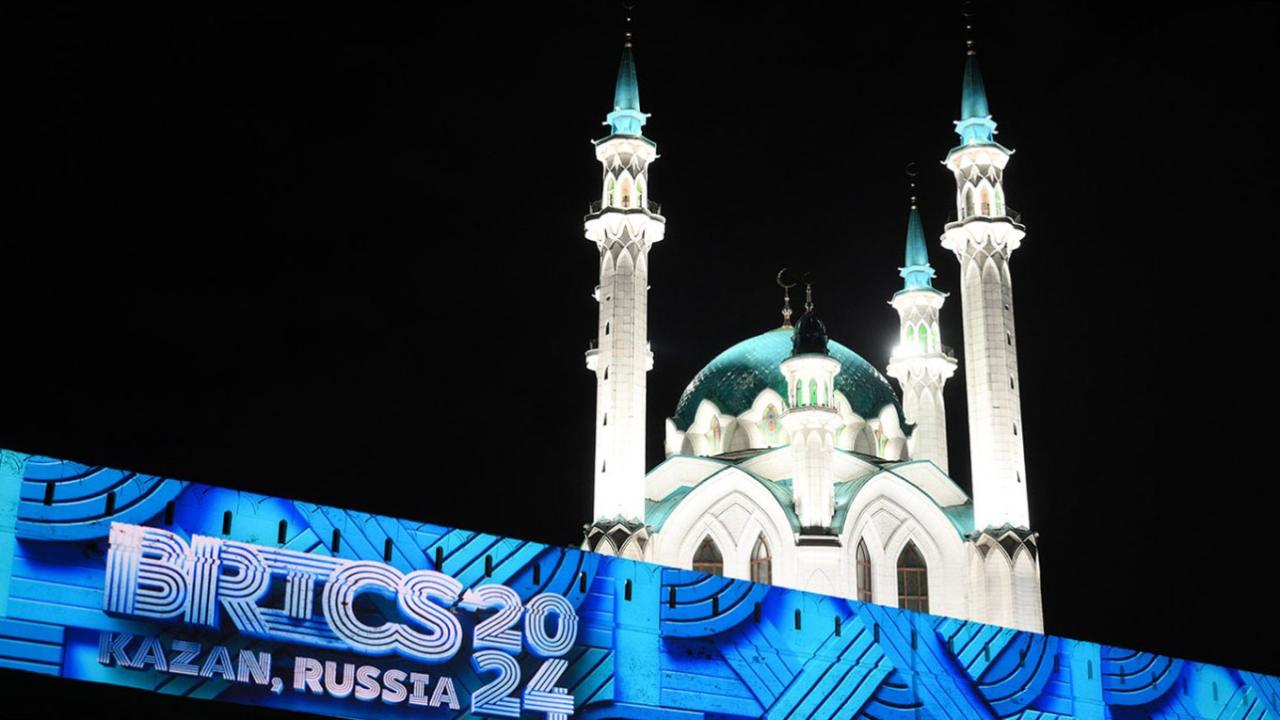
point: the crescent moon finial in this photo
(786, 298)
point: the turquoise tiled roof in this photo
(917, 273)
(626, 118)
(736, 376)
(975, 125)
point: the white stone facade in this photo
(922, 367)
(796, 465)
(983, 239)
(623, 229)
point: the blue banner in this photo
(173, 587)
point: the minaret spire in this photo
(917, 273)
(983, 240)
(920, 363)
(623, 224)
(626, 117)
(975, 124)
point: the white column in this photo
(922, 367)
(982, 239)
(810, 421)
(623, 228)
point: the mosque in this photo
(790, 459)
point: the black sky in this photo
(335, 253)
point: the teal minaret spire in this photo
(917, 274)
(626, 118)
(983, 237)
(920, 362)
(975, 124)
(623, 224)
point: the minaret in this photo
(984, 236)
(623, 224)
(920, 363)
(811, 420)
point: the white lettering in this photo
(306, 675)
(393, 686)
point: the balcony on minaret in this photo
(596, 207)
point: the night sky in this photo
(336, 254)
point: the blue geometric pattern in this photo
(651, 642)
(63, 500)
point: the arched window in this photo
(761, 566)
(799, 400)
(813, 392)
(1000, 201)
(640, 193)
(924, 339)
(984, 201)
(911, 334)
(609, 197)
(913, 580)
(864, 572)
(968, 201)
(626, 193)
(708, 559)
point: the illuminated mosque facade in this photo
(790, 459)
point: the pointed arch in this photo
(626, 191)
(998, 578)
(611, 192)
(913, 579)
(798, 400)
(626, 263)
(862, 563)
(1026, 593)
(924, 338)
(707, 558)
(640, 192)
(632, 549)
(761, 562)
(813, 392)
(605, 547)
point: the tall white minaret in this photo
(920, 363)
(623, 224)
(983, 238)
(811, 420)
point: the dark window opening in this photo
(708, 559)
(864, 572)
(913, 580)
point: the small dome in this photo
(810, 336)
(736, 376)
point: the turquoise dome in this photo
(736, 376)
